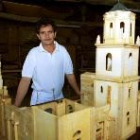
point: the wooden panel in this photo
(3, 101)
(87, 88)
(74, 126)
(45, 125)
(20, 123)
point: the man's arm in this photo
(73, 83)
(22, 90)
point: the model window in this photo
(77, 135)
(130, 29)
(101, 89)
(130, 55)
(129, 92)
(122, 27)
(109, 62)
(111, 29)
(70, 109)
(128, 118)
(130, 64)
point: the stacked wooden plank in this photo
(4, 100)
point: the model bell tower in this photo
(116, 77)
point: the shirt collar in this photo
(41, 49)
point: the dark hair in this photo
(44, 21)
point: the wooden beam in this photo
(132, 5)
(59, 23)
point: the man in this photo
(46, 65)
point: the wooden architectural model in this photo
(53, 121)
(115, 81)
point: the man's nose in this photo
(46, 34)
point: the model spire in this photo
(98, 39)
(138, 41)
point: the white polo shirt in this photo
(47, 72)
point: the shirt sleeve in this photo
(68, 64)
(29, 65)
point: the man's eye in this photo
(51, 32)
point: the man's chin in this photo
(48, 43)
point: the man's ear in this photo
(38, 36)
(55, 34)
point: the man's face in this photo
(46, 35)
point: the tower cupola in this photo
(119, 25)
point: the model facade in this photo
(115, 81)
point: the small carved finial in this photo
(138, 41)
(98, 39)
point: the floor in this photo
(136, 136)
